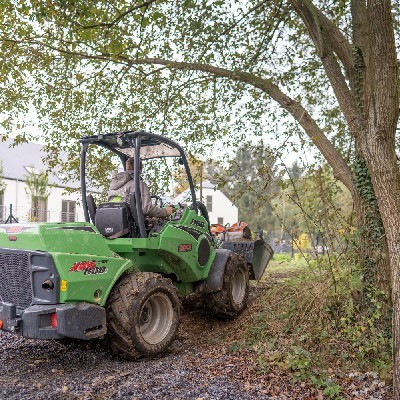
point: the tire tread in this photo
(118, 311)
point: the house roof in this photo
(208, 185)
(17, 160)
(186, 196)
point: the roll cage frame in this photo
(135, 140)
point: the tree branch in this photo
(238, 21)
(333, 36)
(119, 18)
(340, 169)
(314, 21)
(338, 42)
(384, 111)
(345, 97)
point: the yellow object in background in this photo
(302, 242)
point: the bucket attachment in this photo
(256, 253)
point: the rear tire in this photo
(232, 299)
(142, 315)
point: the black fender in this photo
(215, 279)
(91, 206)
(203, 212)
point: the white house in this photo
(220, 209)
(17, 162)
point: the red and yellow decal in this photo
(184, 247)
(88, 267)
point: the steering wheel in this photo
(177, 214)
(157, 199)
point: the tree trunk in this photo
(373, 253)
(378, 145)
(386, 181)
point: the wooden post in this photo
(201, 181)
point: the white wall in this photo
(222, 207)
(54, 204)
(16, 195)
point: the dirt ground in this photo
(199, 365)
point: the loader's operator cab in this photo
(117, 219)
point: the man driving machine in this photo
(122, 186)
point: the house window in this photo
(209, 203)
(39, 210)
(220, 221)
(68, 211)
(32, 170)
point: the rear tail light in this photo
(54, 320)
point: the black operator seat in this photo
(112, 219)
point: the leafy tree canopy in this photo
(2, 183)
(37, 183)
(75, 64)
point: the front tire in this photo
(142, 315)
(232, 299)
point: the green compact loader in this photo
(116, 275)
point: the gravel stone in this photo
(35, 369)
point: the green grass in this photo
(284, 263)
